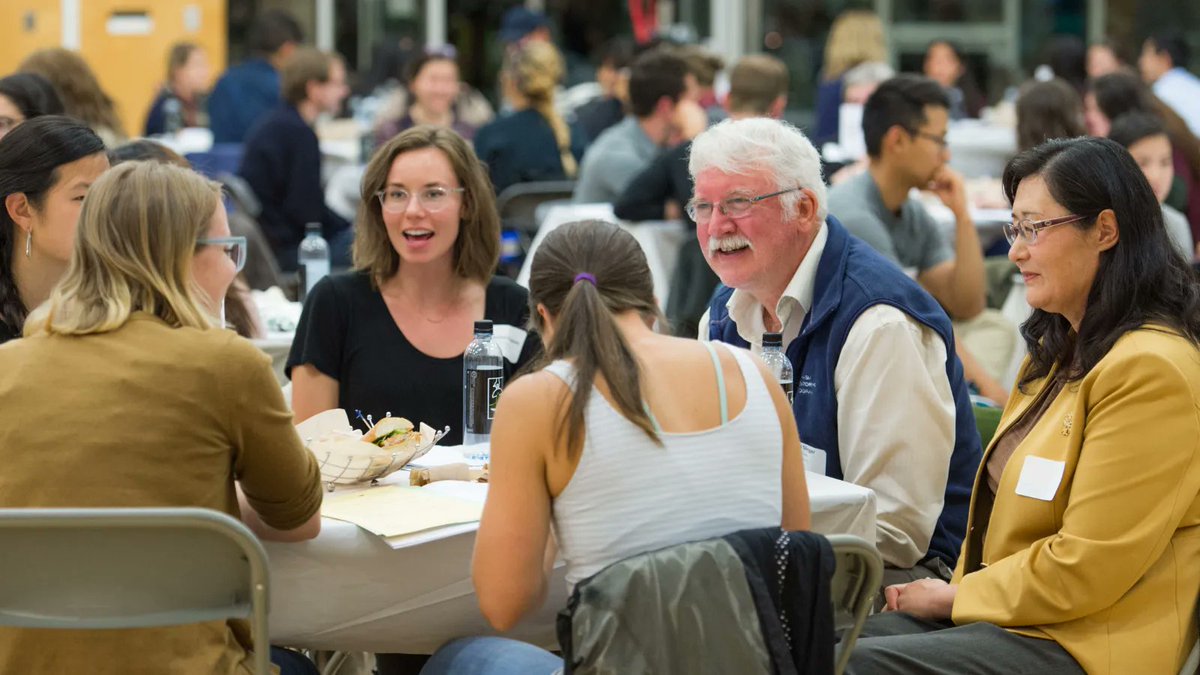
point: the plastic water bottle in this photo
(483, 379)
(313, 258)
(173, 115)
(777, 362)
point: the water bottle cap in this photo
(312, 228)
(484, 326)
(772, 339)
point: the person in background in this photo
(879, 391)
(1082, 546)
(390, 335)
(519, 25)
(1144, 136)
(1111, 96)
(658, 109)
(704, 66)
(757, 88)
(282, 161)
(178, 104)
(24, 96)
(123, 371)
(250, 90)
(240, 312)
(1105, 57)
(46, 167)
(946, 64)
(1045, 110)
(80, 91)
(532, 143)
(431, 89)
(612, 74)
(855, 37)
(1163, 64)
(1066, 57)
(613, 395)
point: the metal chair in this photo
(852, 589)
(131, 568)
(518, 203)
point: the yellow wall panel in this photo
(27, 26)
(126, 42)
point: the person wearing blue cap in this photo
(520, 25)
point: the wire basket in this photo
(345, 459)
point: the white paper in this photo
(814, 459)
(1040, 478)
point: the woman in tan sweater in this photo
(124, 393)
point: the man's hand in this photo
(931, 599)
(690, 120)
(949, 187)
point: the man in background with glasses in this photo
(904, 126)
(878, 389)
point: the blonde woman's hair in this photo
(535, 69)
(855, 37)
(133, 253)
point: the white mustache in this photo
(730, 243)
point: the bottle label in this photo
(789, 391)
(484, 385)
(314, 270)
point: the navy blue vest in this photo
(851, 277)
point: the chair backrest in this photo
(518, 203)
(852, 589)
(1191, 666)
(131, 568)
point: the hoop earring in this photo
(29, 244)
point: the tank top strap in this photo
(721, 394)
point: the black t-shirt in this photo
(347, 333)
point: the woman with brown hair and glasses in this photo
(390, 335)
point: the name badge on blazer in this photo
(1040, 478)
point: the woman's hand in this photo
(925, 598)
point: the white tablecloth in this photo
(349, 590)
(659, 240)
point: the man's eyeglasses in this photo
(432, 199)
(1027, 230)
(940, 140)
(234, 247)
(733, 207)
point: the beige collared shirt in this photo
(895, 407)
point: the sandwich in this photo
(394, 434)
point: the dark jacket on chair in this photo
(755, 601)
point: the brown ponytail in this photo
(585, 331)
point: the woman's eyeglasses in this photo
(1027, 230)
(432, 199)
(234, 247)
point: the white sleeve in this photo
(896, 426)
(703, 327)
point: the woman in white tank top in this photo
(628, 441)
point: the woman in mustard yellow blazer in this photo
(1083, 543)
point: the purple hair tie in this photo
(584, 276)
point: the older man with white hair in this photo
(878, 388)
